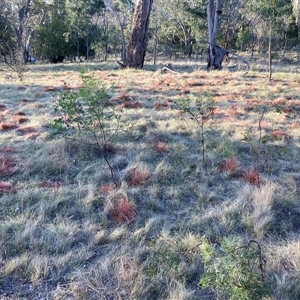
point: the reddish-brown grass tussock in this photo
(110, 148)
(252, 176)
(49, 89)
(123, 211)
(107, 189)
(20, 113)
(67, 87)
(7, 187)
(131, 104)
(137, 177)
(31, 136)
(7, 126)
(125, 97)
(160, 147)
(233, 110)
(51, 184)
(20, 119)
(8, 150)
(279, 101)
(161, 105)
(7, 165)
(26, 130)
(287, 110)
(229, 164)
(294, 125)
(278, 135)
(24, 101)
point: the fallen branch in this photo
(169, 68)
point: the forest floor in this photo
(68, 232)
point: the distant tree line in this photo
(76, 30)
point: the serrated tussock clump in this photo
(252, 176)
(229, 164)
(137, 176)
(123, 211)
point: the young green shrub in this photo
(233, 270)
(88, 116)
(201, 109)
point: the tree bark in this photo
(138, 42)
(215, 54)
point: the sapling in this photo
(200, 109)
(88, 115)
(234, 270)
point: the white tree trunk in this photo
(215, 53)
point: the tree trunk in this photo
(270, 54)
(124, 55)
(215, 54)
(138, 42)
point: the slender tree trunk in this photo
(138, 42)
(155, 49)
(124, 53)
(87, 47)
(106, 41)
(215, 54)
(122, 25)
(270, 54)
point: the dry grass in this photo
(67, 231)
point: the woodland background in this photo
(82, 30)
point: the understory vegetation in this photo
(144, 184)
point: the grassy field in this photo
(67, 231)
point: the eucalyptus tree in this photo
(216, 54)
(122, 11)
(272, 25)
(20, 17)
(82, 31)
(180, 27)
(7, 40)
(232, 21)
(50, 41)
(18, 20)
(139, 35)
